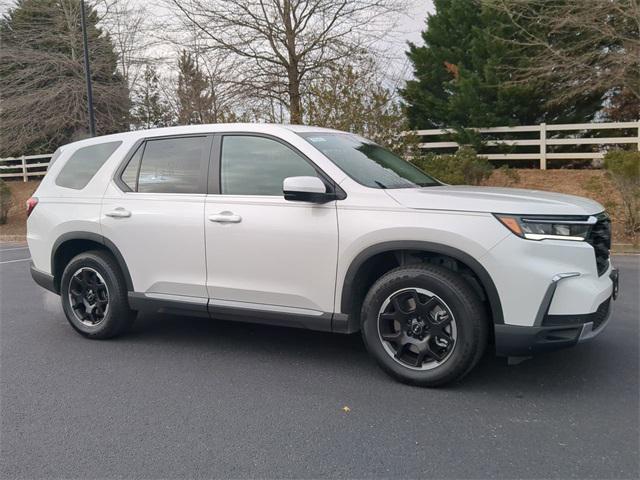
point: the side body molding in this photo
(431, 247)
(108, 244)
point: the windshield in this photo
(368, 163)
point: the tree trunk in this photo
(295, 100)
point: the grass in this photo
(16, 226)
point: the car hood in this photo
(495, 200)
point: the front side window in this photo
(253, 165)
(367, 163)
(83, 164)
(168, 165)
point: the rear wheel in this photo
(424, 325)
(94, 296)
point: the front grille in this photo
(600, 239)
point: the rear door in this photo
(154, 212)
(264, 252)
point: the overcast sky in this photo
(414, 22)
(410, 27)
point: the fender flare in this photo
(95, 237)
(472, 263)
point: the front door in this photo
(264, 252)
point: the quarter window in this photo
(54, 157)
(83, 164)
(130, 174)
(169, 165)
(253, 165)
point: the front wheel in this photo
(424, 325)
(94, 296)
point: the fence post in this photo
(543, 146)
(24, 168)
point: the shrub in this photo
(623, 166)
(512, 175)
(465, 167)
(505, 176)
(5, 201)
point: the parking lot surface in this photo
(187, 397)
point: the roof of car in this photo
(204, 128)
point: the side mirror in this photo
(306, 189)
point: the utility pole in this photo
(87, 71)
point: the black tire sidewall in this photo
(459, 297)
(118, 314)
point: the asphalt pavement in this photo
(186, 397)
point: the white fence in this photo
(547, 136)
(25, 167)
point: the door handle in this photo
(225, 217)
(119, 213)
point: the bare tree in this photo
(225, 96)
(284, 42)
(128, 27)
(584, 47)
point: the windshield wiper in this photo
(380, 184)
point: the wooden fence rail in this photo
(548, 136)
(24, 167)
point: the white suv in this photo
(321, 229)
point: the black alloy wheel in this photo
(417, 328)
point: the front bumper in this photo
(555, 331)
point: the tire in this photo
(446, 334)
(93, 282)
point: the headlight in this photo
(543, 227)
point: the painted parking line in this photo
(11, 249)
(14, 261)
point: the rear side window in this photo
(169, 165)
(83, 165)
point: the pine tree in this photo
(150, 110)
(194, 97)
(351, 98)
(462, 79)
(42, 84)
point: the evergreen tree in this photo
(42, 84)
(462, 79)
(352, 99)
(194, 97)
(150, 110)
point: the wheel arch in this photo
(72, 243)
(360, 261)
